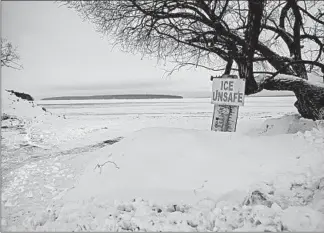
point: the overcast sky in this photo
(62, 55)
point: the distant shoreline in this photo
(139, 97)
(247, 96)
(107, 97)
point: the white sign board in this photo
(228, 91)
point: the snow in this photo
(302, 219)
(169, 172)
(313, 79)
(21, 108)
(174, 162)
(173, 166)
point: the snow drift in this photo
(161, 164)
(16, 110)
(170, 164)
(22, 128)
(191, 180)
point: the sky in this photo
(63, 55)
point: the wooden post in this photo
(226, 114)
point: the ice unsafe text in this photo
(227, 91)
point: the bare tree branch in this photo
(9, 56)
(179, 30)
(253, 36)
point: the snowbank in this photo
(182, 160)
(25, 123)
(190, 180)
(170, 164)
(20, 109)
(289, 124)
(23, 128)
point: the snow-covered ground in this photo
(169, 172)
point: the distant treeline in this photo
(21, 95)
(96, 97)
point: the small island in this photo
(130, 96)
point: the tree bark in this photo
(245, 61)
(228, 67)
(296, 48)
(251, 86)
(310, 97)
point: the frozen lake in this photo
(126, 116)
(200, 107)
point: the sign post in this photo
(227, 96)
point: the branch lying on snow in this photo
(298, 62)
(267, 82)
(309, 94)
(285, 82)
(101, 165)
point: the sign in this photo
(228, 91)
(225, 118)
(228, 95)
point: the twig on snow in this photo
(101, 165)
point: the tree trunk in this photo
(310, 97)
(245, 59)
(244, 68)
